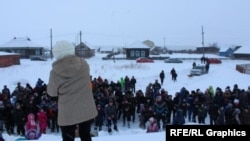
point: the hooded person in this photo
(69, 80)
(152, 127)
(32, 130)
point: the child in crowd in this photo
(32, 129)
(152, 127)
(42, 119)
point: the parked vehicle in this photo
(38, 58)
(213, 61)
(173, 60)
(144, 60)
(198, 70)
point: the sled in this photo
(21, 139)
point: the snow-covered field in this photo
(220, 75)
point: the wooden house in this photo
(23, 46)
(82, 50)
(136, 50)
(242, 53)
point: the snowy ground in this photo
(220, 75)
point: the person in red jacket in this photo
(32, 130)
(152, 127)
(42, 120)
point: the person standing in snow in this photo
(160, 111)
(162, 76)
(69, 80)
(19, 119)
(174, 74)
(42, 118)
(110, 113)
(179, 118)
(133, 82)
(99, 119)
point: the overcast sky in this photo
(122, 22)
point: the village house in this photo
(23, 46)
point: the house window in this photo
(143, 54)
(37, 52)
(137, 53)
(132, 53)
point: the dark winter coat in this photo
(162, 75)
(19, 116)
(179, 117)
(221, 117)
(245, 117)
(110, 111)
(202, 112)
(160, 108)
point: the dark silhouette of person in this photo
(174, 74)
(162, 76)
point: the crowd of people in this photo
(222, 106)
(27, 111)
(120, 101)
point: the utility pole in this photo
(51, 53)
(164, 42)
(80, 37)
(203, 48)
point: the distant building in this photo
(9, 59)
(23, 46)
(212, 50)
(82, 50)
(242, 53)
(136, 50)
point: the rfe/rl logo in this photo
(185, 132)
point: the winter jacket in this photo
(152, 127)
(110, 111)
(32, 130)
(245, 117)
(179, 118)
(42, 119)
(160, 108)
(70, 82)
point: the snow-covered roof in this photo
(243, 50)
(20, 42)
(6, 53)
(137, 44)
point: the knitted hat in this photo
(151, 119)
(62, 49)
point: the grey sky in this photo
(122, 22)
